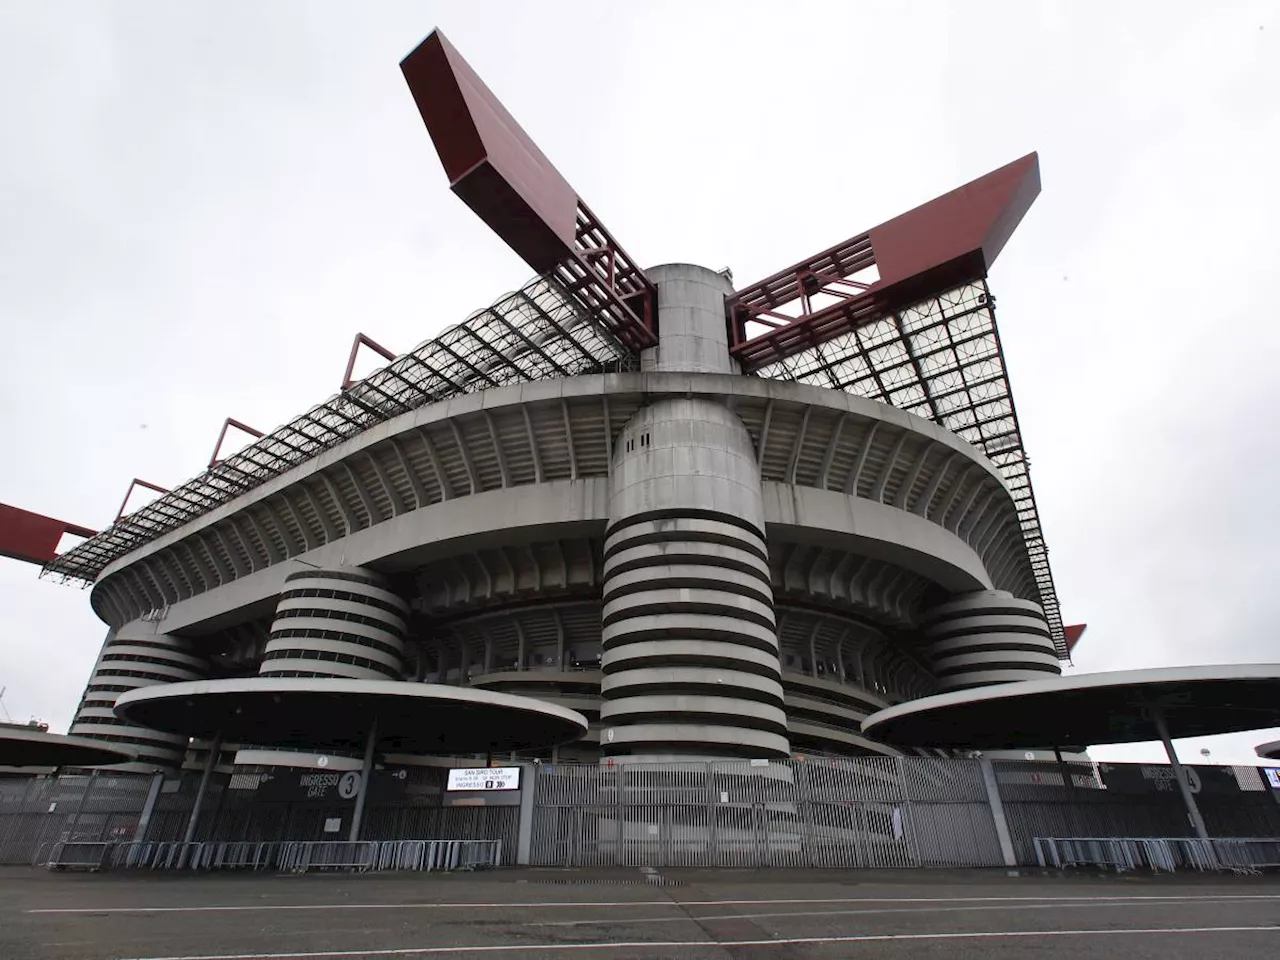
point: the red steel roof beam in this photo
(133, 485)
(222, 436)
(33, 538)
(362, 340)
(499, 172)
(939, 245)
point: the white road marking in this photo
(703, 944)
(967, 908)
(577, 904)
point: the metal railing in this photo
(1167, 854)
(301, 856)
(76, 855)
(439, 854)
(296, 856)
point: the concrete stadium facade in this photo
(704, 563)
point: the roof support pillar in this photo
(365, 770)
(211, 761)
(1179, 774)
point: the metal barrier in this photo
(1238, 855)
(301, 856)
(297, 856)
(132, 855)
(439, 854)
(174, 855)
(71, 855)
(240, 855)
(39, 857)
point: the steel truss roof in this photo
(536, 333)
(940, 359)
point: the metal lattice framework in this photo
(940, 359)
(538, 332)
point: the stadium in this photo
(719, 521)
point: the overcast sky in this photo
(200, 203)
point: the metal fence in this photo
(817, 812)
(38, 812)
(828, 812)
(1048, 799)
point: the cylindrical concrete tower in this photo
(137, 656)
(337, 623)
(989, 637)
(690, 659)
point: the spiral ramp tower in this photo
(989, 637)
(337, 623)
(137, 655)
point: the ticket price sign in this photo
(483, 778)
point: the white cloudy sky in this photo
(200, 203)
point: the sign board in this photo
(333, 825)
(1273, 777)
(1158, 778)
(484, 778)
(310, 785)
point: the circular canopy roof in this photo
(1268, 751)
(324, 712)
(32, 747)
(1088, 708)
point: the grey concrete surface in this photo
(620, 914)
(336, 712)
(22, 746)
(692, 336)
(381, 540)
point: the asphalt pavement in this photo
(626, 914)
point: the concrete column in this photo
(690, 657)
(997, 813)
(692, 333)
(528, 796)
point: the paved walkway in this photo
(616, 914)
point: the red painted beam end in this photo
(31, 537)
(1073, 634)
